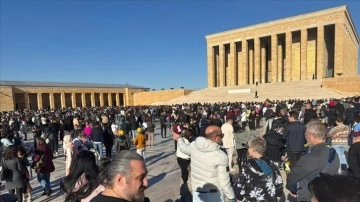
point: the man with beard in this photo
(125, 179)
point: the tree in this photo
(182, 87)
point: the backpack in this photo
(272, 138)
(269, 114)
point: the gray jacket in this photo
(241, 139)
(310, 166)
(209, 166)
(15, 179)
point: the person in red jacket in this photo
(43, 165)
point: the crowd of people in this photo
(311, 136)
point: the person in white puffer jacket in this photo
(210, 176)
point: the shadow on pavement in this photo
(156, 179)
(55, 187)
(157, 157)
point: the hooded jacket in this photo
(209, 166)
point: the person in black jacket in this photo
(108, 140)
(354, 157)
(163, 125)
(310, 113)
(294, 135)
(274, 138)
(97, 138)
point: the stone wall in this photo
(343, 84)
(6, 98)
(24, 97)
(147, 98)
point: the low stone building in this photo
(41, 95)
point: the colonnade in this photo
(51, 100)
(308, 53)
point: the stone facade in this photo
(151, 97)
(348, 84)
(312, 46)
(43, 96)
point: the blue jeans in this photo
(44, 179)
(98, 146)
(207, 197)
(340, 150)
(133, 132)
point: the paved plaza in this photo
(163, 172)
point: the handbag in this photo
(4, 172)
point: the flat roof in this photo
(290, 19)
(66, 84)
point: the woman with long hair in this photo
(241, 137)
(82, 180)
(183, 160)
(23, 154)
(14, 181)
(70, 151)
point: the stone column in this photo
(221, 65)
(257, 60)
(126, 97)
(251, 66)
(73, 100)
(320, 52)
(93, 104)
(279, 63)
(52, 100)
(339, 49)
(39, 101)
(244, 64)
(263, 63)
(210, 68)
(110, 100)
(101, 99)
(231, 68)
(117, 99)
(27, 100)
(303, 55)
(83, 100)
(63, 102)
(288, 46)
(274, 59)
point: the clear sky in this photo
(154, 44)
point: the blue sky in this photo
(154, 44)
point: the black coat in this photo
(108, 138)
(354, 159)
(309, 115)
(295, 137)
(96, 135)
